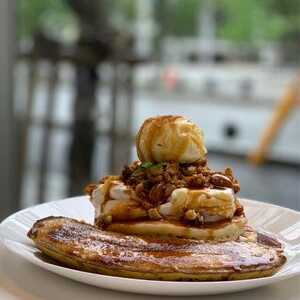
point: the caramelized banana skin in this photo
(81, 246)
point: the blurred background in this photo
(78, 77)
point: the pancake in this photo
(82, 246)
(217, 231)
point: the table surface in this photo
(20, 280)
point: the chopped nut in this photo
(157, 178)
(147, 184)
(221, 180)
(90, 188)
(204, 170)
(107, 219)
(169, 188)
(99, 222)
(156, 194)
(103, 220)
(228, 172)
(202, 162)
(126, 173)
(239, 209)
(190, 215)
(146, 204)
(172, 169)
(154, 214)
(236, 187)
(139, 189)
(155, 170)
(196, 181)
(189, 170)
(167, 177)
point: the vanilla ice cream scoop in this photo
(170, 138)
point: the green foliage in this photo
(147, 165)
(255, 20)
(288, 11)
(238, 19)
(242, 20)
(289, 8)
(182, 17)
(126, 7)
(36, 14)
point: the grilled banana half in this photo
(82, 246)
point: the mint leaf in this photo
(146, 165)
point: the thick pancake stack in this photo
(170, 191)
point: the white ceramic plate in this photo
(282, 222)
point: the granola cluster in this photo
(153, 183)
